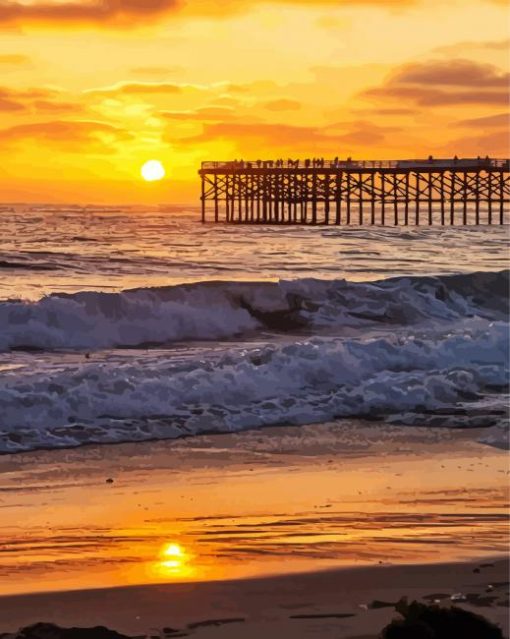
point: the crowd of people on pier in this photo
(317, 163)
(321, 163)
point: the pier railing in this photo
(345, 192)
(319, 163)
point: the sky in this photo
(91, 89)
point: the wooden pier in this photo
(346, 192)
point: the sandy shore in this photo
(224, 526)
(330, 605)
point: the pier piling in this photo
(472, 191)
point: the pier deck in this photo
(348, 192)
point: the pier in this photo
(348, 192)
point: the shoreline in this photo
(332, 604)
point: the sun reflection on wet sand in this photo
(241, 506)
(174, 562)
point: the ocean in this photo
(128, 324)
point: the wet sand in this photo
(263, 507)
(330, 605)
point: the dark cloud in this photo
(453, 73)
(437, 97)
(441, 83)
(99, 11)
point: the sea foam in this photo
(167, 395)
(213, 310)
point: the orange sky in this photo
(91, 89)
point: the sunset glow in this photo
(184, 82)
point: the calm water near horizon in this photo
(66, 249)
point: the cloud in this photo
(442, 83)
(455, 73)
(75, 136)
(138, 88)
(494, 143)
(472, 45)
(436, 97)
(6, 104)
(95, 11)
(34, 100)
(499, 120)
(283, 105)
(19, 100)
(56, 106)
(129, 13)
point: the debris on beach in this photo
(458, 596)
(43, 630)
(422, 621)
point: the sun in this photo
(173, 550)
(152, 171)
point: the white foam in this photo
(212, 310)
(162, 395)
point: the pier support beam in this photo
(276, 192)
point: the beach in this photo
(273, 526)
(273, 427)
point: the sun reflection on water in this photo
(174, 562)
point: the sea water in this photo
(132, 324)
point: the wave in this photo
(161, 395)
(214, 310)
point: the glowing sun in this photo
(153, 170)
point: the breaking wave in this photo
(214, 310)
(159, 396)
